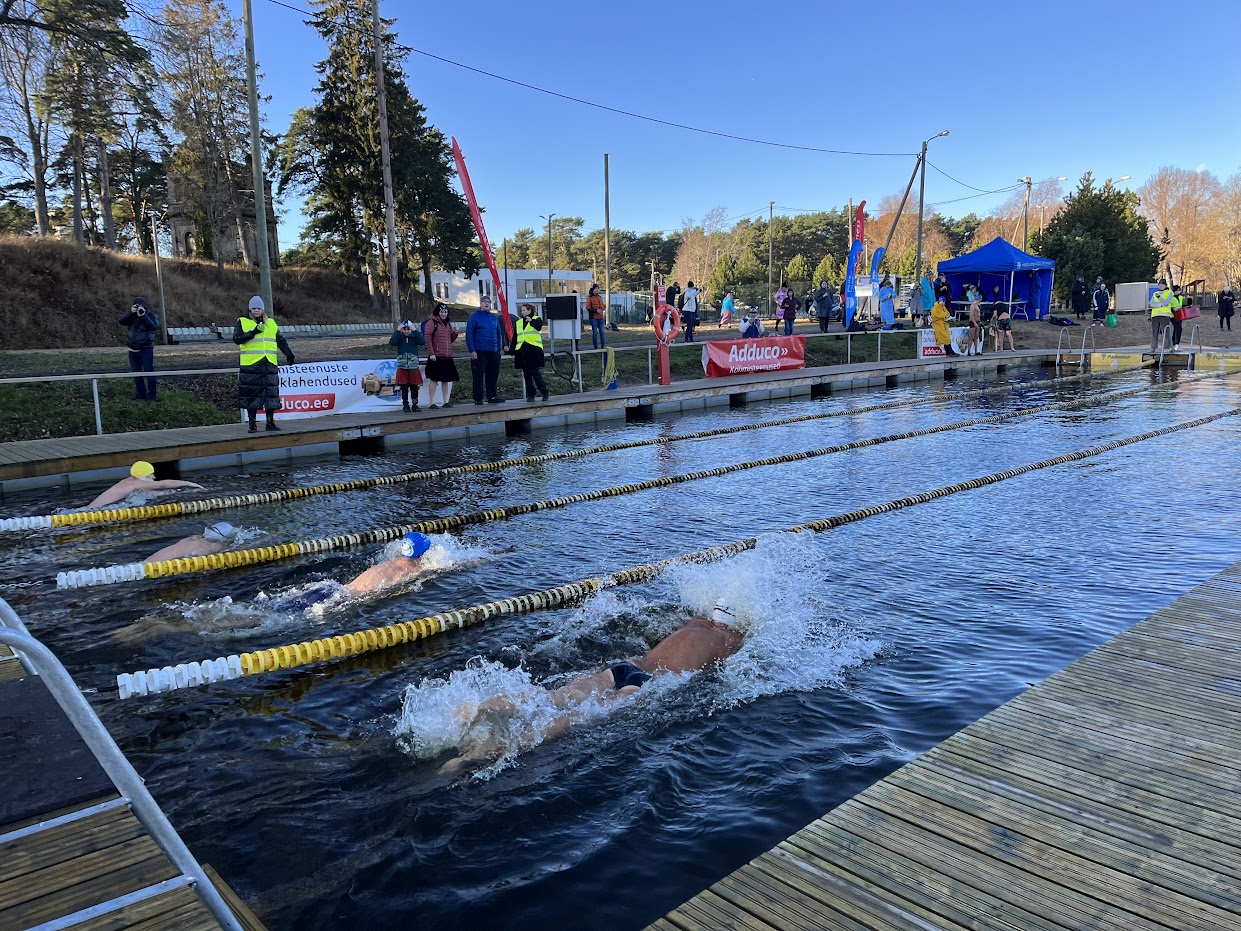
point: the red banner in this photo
(482, 235)
(859, 223)
(742, 356)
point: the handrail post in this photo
(577, 364)
(650, 367)
(119, 769)
(94, 387)
(848, 349)
(879, 347)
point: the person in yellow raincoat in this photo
(939, 322)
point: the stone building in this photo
(185, 229)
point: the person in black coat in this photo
(1226, 311)
(140, 326)
(258, 381)
(1081, 297)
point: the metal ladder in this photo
(1081, 359)
(40, 661)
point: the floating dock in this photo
(76, 460)
(1105, 797)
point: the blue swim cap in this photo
(414, 545)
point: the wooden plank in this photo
(1193, 707)
(248, 919)
(828, 845)
(783, 906)
(1137, 703)
(56, 813)
(177, 910)
(1048, 899)
(67, 841)
(1096, 876)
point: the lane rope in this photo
(182, 508)
(237, 559)
(224, 668)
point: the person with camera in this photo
(258, 383)
(141, 325)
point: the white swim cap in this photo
(220, 532)
(723, 613)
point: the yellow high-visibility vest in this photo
(263, 346)
(1161, 303)
(527, 335)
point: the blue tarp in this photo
(1019, 275)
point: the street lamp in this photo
(771, 213)
(921, 202)
(159, 276)
(550, 263)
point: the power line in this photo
(957, 180)
(600, 106)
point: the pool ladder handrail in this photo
(1060, 341)
(40, 661)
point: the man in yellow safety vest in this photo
(1161, 313)
(258, 383)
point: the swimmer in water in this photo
(214, 539)
(141, 478)
(391, 572)
(700, 643)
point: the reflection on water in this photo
(317, 793)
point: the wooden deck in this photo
(69, 845)
(1106, 797)
(35, 458)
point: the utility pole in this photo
(1025, 214)
(771, 213)
(607, 244)
(256, 162)
(922, 202)
(394, 283)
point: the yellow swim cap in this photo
(141, 469)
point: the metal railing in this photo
(95, 378)
(39, 660)
(580, 354)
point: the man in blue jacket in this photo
(484, 341)
(141, 324)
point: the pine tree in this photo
(332, 152)
(827, 270)
(723, 277)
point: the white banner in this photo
(929, 349)
(353, 386)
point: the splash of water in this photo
(795, 641)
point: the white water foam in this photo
(795, 641)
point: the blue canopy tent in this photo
(1024, 280)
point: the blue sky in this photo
(1044, 89)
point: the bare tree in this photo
(1182, 209)
(25, 57)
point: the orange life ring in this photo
(660, 322)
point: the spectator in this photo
(141, 325)
(441, 369)
(1102, 300)
(975, 323)
(1081, 297)
(674, 292)
(1003, 323)
(1178, 303)
(940, 315)
(258, 384)
(598, 317)
(781, 294)
(1226, 302)
(528, 351)
(823, 300)
(887, 305)
(483, 340)
(1161, 314)
(791, 305)
(944, 290)
(408, 342)
(688, 305)
(726, 310)
(751, 327)
(928, 300)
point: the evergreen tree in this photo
(332, 152)
(798, 270)
(749, 269)
(1099, 232)
(827, 270)
(723, 277)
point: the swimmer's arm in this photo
(166, 484)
